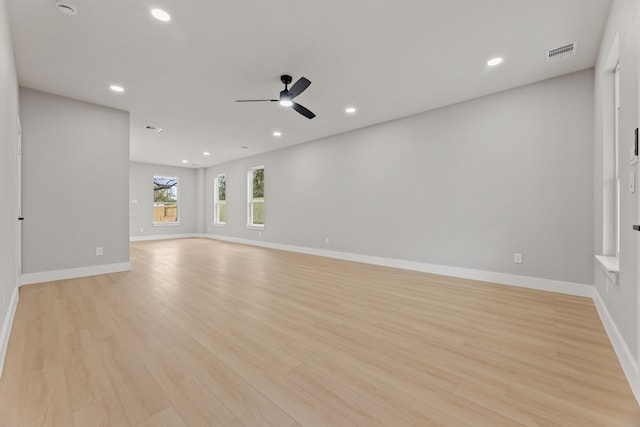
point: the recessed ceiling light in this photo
(350, 110)
(185, 161)
(153, 128)
(116, 88)
(494, 61)
(206, 153)
(277, 133)
(66, 7)
(161, 15)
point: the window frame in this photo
(616, 150)
(177, 203)
(217, 201)
(250, 200)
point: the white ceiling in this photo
(388, 58)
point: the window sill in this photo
(166, 224)
(610, 265)
(255, 227)
(219, 224)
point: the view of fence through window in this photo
(220, 200)
(165, 199)
(257, 196)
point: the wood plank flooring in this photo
(208, 333)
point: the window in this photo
(611, 109)
(609, 260)
(220, 200)
(165, 200)
(255, 210)
(616, 155)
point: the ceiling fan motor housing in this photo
(286, 79)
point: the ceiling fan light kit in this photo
(287, 95)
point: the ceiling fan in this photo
(287, 95)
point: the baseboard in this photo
(625, 356)
(72, 273)
(164, 237)
(7, 322)
(569, 288)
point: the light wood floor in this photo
(210, 333)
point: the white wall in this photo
(141, 201)
(621, 301)
(8, 213)
(75, 187)
(465, 186)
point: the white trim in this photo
(610, 267)
(164, 237)
(570, 288)
(72, 273)
(7, 322)
(625, 357)
(609, 264)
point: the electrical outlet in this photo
(99, 250)
(141, 230)
(326, 240)
(259, 233)
(517, 258)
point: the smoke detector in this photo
(559, 52)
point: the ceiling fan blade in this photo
(256, 100)
(299, 87)
(303, 110)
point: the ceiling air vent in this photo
(559, 52)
